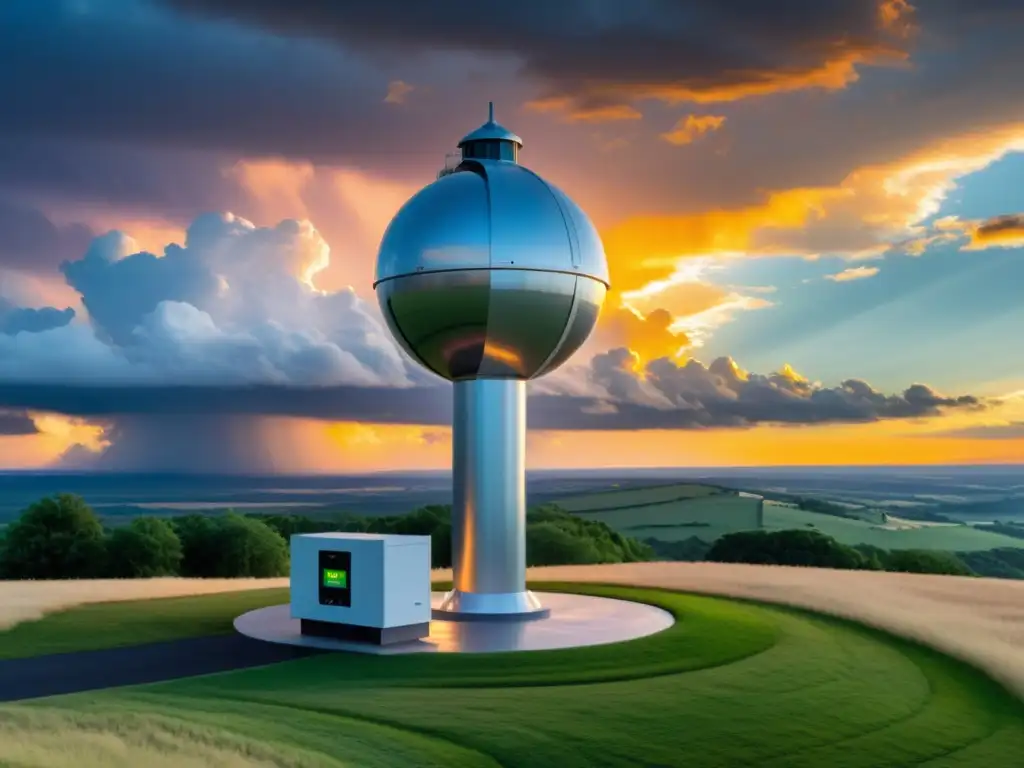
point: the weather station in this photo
(489, 277)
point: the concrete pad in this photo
(575, 621)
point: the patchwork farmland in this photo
(671, 512)
(682, 511)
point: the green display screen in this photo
(335, 578)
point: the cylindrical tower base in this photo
(489, 504)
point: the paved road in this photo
(92, 670)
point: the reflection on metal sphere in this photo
(491, 271)
(488, 277)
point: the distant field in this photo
(681, 511)
(958, 538)
(707, 518)
(635, 497)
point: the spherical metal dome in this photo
(491, 272)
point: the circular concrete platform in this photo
(575, 621)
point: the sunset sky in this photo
(813, 213)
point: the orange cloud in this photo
(832, 74)
(300, 190)
(646, 248)
(897, 16)
(998, 232)
(692, 127)
(572, 113)
(853, 273)
(665, 318)
(648, 336)
(397, 91)
(56, 434)
(873, 209)
(278, 186)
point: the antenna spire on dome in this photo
(491, 141)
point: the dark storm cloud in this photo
(595, 50)
(93, 89)
(16, 320)
(691, 397)
(175, 183)
(14, 424)
(30, 241)
(130, 72)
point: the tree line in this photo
(63, 538)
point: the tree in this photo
(796, 547)
(926, 561)
(55, 538)
(199, 553)
(146, 547)
(549, 544)
(1001, 563)
(245, 547)
(690, 550)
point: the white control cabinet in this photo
(361, 587)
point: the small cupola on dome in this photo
(491, 142)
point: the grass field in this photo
(680, 511)
(959, 538)
(707, 518)
(731, 684)
(628, 498)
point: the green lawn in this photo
(732, 684)
(959, 538)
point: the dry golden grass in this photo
(27, 600)
(980, 621)
(27, 737)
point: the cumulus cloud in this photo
(183, 356)
(234, 305)
(691, 395)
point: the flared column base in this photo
(492, 606)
